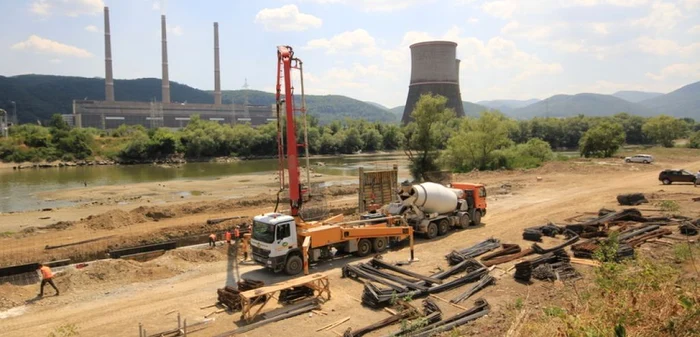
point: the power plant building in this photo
(111, 113)
(434, 69)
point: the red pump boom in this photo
(285, 63)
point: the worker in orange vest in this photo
(228, 237)
(212, 240)
(46, 277)
(236, 233)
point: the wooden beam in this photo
(448, 302)
(585, 262)
(333, 325)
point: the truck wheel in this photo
(294, 265)
(364, 247)
(464, 221)
(443, 227)
(432, 231)
(379, 245)
(476, 219)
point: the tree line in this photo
(433, 140)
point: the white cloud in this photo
(583, 47)
(374, 5)
(662, 16)
(691, 4)
(529, 32)
(503, 9)
(55, 61)
(678, 70)
(472, 21)
(694, 30)
(71, 8)
(46, 46)
(600, 28)
(92, 29)
(621, 3)
(666, 47)
(358, 40)
(286, 18)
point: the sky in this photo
(510, 49)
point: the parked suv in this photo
(640, 158)
(676, 176)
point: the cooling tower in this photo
(434, 69)
(109, 77)
(164, 51)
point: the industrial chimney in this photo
(109, 77)
(434, 69)
(164, 50)
(217, 70)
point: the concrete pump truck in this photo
(287, 243)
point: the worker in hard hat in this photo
(46, 277)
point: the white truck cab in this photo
(274, 241)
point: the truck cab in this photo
(274, 242)
(474, 194)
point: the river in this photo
(18, 188)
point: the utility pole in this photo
(3, 123)
(14, 113)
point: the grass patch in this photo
(643, 297)
(6, 234)
(196, 193)
(669, 206)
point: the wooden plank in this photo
(448, 302)
(333, 325)
(585, 262)
(283, 285)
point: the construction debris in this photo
(481, 248)
(230, 297)
(688, 229)
(480, 309)
(407, 312)
(632, 199)
(485, 281)
(536, 233)
(523, 270)
(278, 315)
(573, 237)
(587, 249)
(294, 294)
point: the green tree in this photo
(422, 136)
(664, 129)
(352, 142)
(372, 140)
(391, 137)
(633, 128)
(163, 143)
(476, 140)
(694, 141)
(602, 140)
(58, 122)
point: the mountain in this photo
(636, 96)
(377, 105)
(507, 105)
(470, 109)
(40, 96)
(585, 104)
(684, 102)
(327, 107)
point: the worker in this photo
(236, 233)
(212, 240)
(697, 179)
(228, 236)
(46, 277)
(246, 239)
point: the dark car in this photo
(676, 176)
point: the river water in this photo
(18, 188)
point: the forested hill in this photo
(327, 107)
(40, 96)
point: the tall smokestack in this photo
(217, 70)
(109, 78)
(164, 50)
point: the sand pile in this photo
(103, 273)
(197, 255)
(61, 225)
(114, 219)
(12, 295)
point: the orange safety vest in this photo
(46, 272)
(212, 236)
(238, 233)
(228, 236)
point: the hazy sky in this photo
(515, 49)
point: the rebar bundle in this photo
(484, 282)
(480, 248)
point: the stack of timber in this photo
(230, 297)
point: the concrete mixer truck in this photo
(433, 209)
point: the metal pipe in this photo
(306, 129)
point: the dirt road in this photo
(116, 310)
